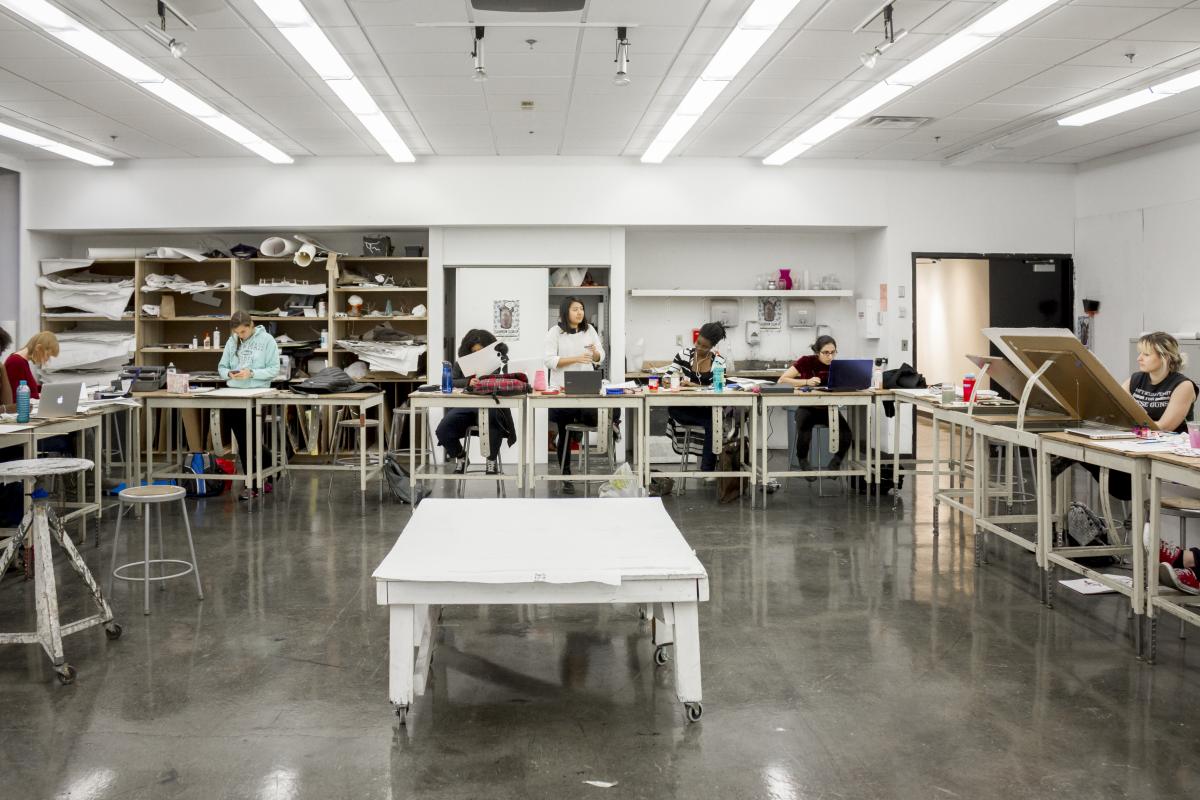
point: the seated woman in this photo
(572, 344)
(814, 371)
(18, 367)
(695, 367)
(11, 508)
(250, 361)
(453, 428)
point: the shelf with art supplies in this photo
(97, 292)
(355, 275)
(388, 336)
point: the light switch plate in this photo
(904, 345)
(903, 312)
(900, 292)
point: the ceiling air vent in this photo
(528, 6)
(894, 123)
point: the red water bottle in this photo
(968, 386)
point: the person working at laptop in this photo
(11, 508)
(571, 345)
(1167, 395)
(695, 367)
(813, 371)
(40, 348)
(453, 427)
(250, 361)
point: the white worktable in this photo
(540, 551)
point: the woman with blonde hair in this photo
(40, 348)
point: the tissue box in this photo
(178, 383)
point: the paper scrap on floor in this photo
(230, 392)
(1089, 586)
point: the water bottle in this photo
(23, 402)
(718, 377)
(447, 378)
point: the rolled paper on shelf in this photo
(277, 247)
(305, 255)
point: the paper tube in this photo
(305, 255)
(277, 247)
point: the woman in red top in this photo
(37, 351)
(814, 371)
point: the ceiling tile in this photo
(1091, 22)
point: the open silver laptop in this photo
(59, 400)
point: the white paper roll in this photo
(120, 252)
(277, 247)
(305, 255)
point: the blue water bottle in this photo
(718, 377)
(447, 378)
(23, 402)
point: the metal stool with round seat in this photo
(686, 441)
(1184, 508)
(39, 528)
(359, 426)
(154, 496)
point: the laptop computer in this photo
(582, 382)
(59, 400)
(849, 375)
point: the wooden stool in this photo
(155, 496)
(41, 526)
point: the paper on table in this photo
(1089, 586)
(1137, 445)
(14, 428)
(484, 361)
(229, 392)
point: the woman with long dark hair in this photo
(452, 430)
(695, 367)
(571, 345)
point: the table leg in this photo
(253, 469)
(401, 662)
(687, 652)
(766, 472)
(978, 481)
(1138, 598)
(934, 469)
(414, 432)
(1152, 566)
(1042, 491)
(381, 451)
(149, 445)
(896, 409)
(362, 448)
(49, 627)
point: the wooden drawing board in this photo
(1013, 381)
(1077, 381)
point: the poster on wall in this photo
(770, 312)
(506, 319)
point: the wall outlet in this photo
(679, 340)
(904, 345)
(903, 312)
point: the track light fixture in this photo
(178, 47)
(890, 37)
(479, 73)
(622, 58)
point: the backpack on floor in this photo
(1085, 528)
(202, 464)
(401, 484)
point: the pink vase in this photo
(785, 279)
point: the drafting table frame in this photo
(534, 402)
(706, 398)
(362, 401)
(423, 401)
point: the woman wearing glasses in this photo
(809, 371)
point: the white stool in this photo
(155, 496)
(42, 526)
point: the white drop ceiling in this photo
(418, 68)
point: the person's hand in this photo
(241, 374)
(473, 381)
(814, 381)
(685, 382)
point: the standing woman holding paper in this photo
(250, 361)
(571, 345)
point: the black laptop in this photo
(582, 382)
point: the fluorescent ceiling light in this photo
(49, 145)
(1159, 91)
(978, 34)
(71, 32)
(294, 22)
(752, 31)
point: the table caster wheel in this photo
(402, 714)
(693, 711)
(113, 630)
(66, 674)
(660, 655)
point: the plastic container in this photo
(539, 380)
(447, 378)
(1194, 435)
(23, 402)
(968, 386)
(216, 337)
(718, 377)
(652, 383)
(171, 368)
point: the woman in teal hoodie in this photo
(250, 361)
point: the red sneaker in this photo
(1168, 553)
(268, 488)
(1182, 579)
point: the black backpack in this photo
(401, 484)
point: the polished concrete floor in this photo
(847, 653)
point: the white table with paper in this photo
(613, 551)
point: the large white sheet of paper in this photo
(1138, 446)
(483, 362)
(14, 428)
(230, 392)
(540, 541)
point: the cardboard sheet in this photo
(539, 540)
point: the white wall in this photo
(10, 250)
(734, 260)
(1136, 245)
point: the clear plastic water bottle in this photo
(718, 377)
(23, 402)
(447, 378)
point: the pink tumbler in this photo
(539, 380)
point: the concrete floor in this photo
(847, 653)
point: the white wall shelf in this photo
(718, 293)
